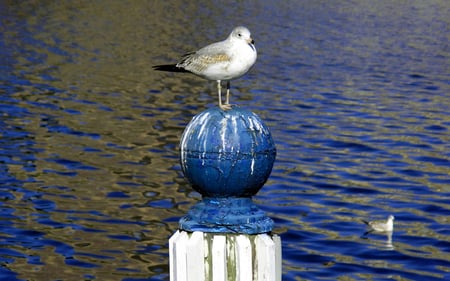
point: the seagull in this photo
(221, 61)
(381, 226)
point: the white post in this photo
(201, 256)
(219, 258)
(244, 260)
(196, 263)
(177, 256)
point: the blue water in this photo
(356, 94)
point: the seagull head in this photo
(242, 33)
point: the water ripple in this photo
(356, 95)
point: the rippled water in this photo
(356, 94)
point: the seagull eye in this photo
(240, 35)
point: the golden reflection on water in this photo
(119, 123)
(103, 66)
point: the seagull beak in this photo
(251, 43)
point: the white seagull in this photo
(381, 226)
(222, 61)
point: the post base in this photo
(226, 215)
(200, 256)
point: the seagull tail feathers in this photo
(169, 67)
(366, 222)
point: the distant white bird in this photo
(381, 226)
(221, 61)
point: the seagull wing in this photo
(197, 62)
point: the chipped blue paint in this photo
(227, 157)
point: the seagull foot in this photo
(225, 107)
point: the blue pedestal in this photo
(226, 215)
(227, 156)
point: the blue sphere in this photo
(227, 153)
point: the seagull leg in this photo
(219, 90)
(228, 93)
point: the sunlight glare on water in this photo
(356, 95)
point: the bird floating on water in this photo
(221, 61)
(381, 226)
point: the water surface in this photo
(356, 95)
